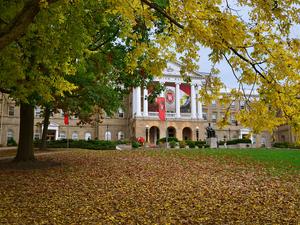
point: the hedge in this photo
(90, 144)
(238, 141)
(285, 145)
(163, 140)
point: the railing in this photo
(169, 115)
(185, 115)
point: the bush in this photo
(11, 142)
(172, 144)
(191, 144)
(163, 140)
(200, 144)
(90, 144)
(182, 144)
(238, 141)
(221, 142)
(281, 145)
(286, 145)
(135, 144)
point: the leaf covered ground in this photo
(145, 187)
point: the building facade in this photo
(186, 117)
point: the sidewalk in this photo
(8, 148)
(36, 154)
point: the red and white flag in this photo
(66, 119)
(161, 108)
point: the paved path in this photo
(35, 154)
(8, 148)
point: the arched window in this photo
(87, 136)
(75, 135)
(107, 136)
(10, 135)
(120, 135)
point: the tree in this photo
(66, 37)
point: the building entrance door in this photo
(154, 135)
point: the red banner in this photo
(161, 108)
(66, 119)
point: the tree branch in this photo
(153, 5)
(19, 25)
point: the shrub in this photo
(238, 141)
(163, 140)
(135, 144)
(200, 144)
(281, 145)
(182, 144)
(90, 144)
(191, 144)
(286, 145)
(11, 142)
(221, 142)
(172, 144)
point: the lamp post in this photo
(147, 133)
(197, 133)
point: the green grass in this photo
(277, 160)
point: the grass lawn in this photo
(153, 187)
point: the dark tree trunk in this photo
(25, 147)
(46, 123)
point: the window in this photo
(11, 110)
(107, 136)
(232, 105)
(37, 112)
(87, 136)
(62, 135)
(120, 135)
(10, 135)
(120, 113)
(242, 104)
(36, 136)
(75, 136)
(232, 118)
(204, 115)
(214, 117)
(213, 103)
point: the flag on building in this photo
(66, 119)
(161, 108)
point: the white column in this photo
(177, 99)
(133, 102)
(199, 103)
(138, 101)
(162, 94)
(145, 99)
(193, 101)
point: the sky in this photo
(225, 71)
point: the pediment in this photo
(173, 69)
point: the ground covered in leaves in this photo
(145, 187)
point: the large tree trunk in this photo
(25, 147)
(45, 128)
